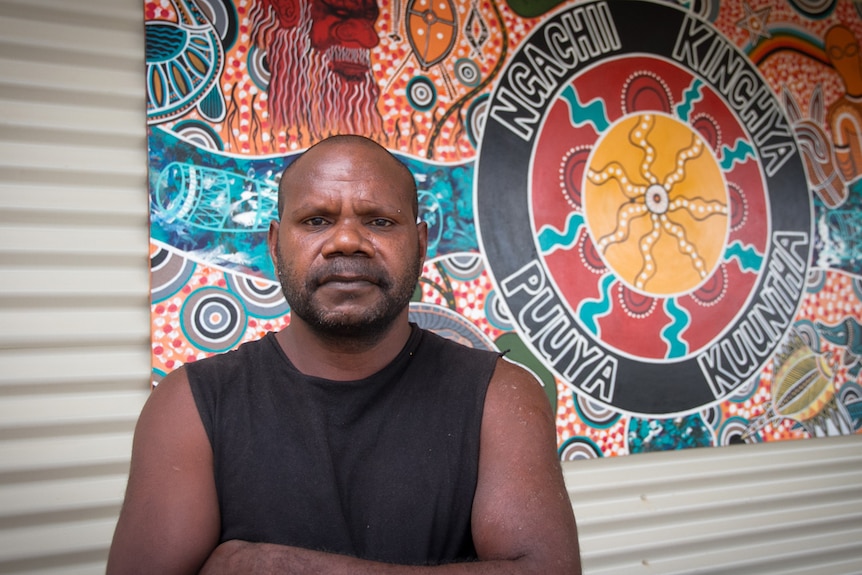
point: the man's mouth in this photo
(347, 280)
(347, 274)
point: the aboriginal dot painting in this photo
(654, 206)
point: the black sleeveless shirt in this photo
(383, 468)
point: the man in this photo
(351, 441)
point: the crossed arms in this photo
(522, 521)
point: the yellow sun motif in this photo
(656, 204)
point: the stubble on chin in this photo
(368, 324)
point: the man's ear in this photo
(272, 242)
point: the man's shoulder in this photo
(452, 361)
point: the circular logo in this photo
(643, 206)
(659, 221)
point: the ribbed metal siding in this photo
(767, 509)
(74, 348)
(74, 326)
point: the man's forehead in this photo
(358, 199)
(352, 159)
(347, 160)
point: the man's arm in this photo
(522, 518)
(170, 520)
(522, 511)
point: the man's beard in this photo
(374, 322)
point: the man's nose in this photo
(348, 238)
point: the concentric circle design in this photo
(590, 257)
(807, 330)
(464, 267)
(712, 290)
(421, 93)
(576, 448)
(222, 14)
(850, 393)
(815, 282)
(572, 169)
(200, 134)
(213, 319)
(738, 207)
(814, 9)
(261, 298)
(169, 272)
(657, 199)
(496, 311)
(734, 431)
(596, 414)
(645, 90)
(467, 72)
(708, 128)
(636, 304)
(651, 283)
(745, 391)
(258, 68)
(711, 416)
(449, 324)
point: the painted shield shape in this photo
(431, 30)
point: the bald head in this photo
(363, 149)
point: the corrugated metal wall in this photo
(74, 325)
(74, 348)
(788, 508)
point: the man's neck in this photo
(341, 358)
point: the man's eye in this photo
(380, 222)
(315, 221)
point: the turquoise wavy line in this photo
(550, 239)
(671, 333)
(748, 257)
(740, 153)
(593, 112)
(590, 309)
(690, 97)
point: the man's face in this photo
(348, 250)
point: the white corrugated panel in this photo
(780, 508)
(74, 325)
(74, 348)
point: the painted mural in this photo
(654, 206)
